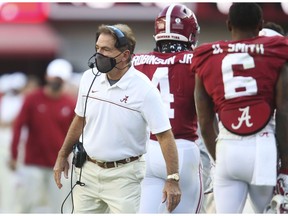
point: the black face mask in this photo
(55, 85)
(104, 63)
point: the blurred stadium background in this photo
(34, 33)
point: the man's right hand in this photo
(61, 165)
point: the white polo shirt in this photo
(119, 117)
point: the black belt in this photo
(112, 164)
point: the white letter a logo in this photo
(245, 117)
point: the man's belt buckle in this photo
(101, 164)
(105, 165)
(115, 164)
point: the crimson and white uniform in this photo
(171, 73)
(240, 76)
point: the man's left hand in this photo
(171, 194)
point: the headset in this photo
(121, 39)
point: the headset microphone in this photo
(90, 63)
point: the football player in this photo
(169, 68)
(244, 80)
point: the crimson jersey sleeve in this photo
(171, 73)
(241, 74)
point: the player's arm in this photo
(282, 117)
(206, 116)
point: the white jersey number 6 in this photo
(237, 86)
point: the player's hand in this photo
(171, 194)
(282, 184)
(61, 165)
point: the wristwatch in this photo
(174, 176)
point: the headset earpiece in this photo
(121, 38)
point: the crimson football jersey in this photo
(171, 73)
(240, 76)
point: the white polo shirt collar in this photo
(124, 80)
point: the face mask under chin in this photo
(104, 63)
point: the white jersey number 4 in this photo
(161, 77)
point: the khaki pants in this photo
(113, 190)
